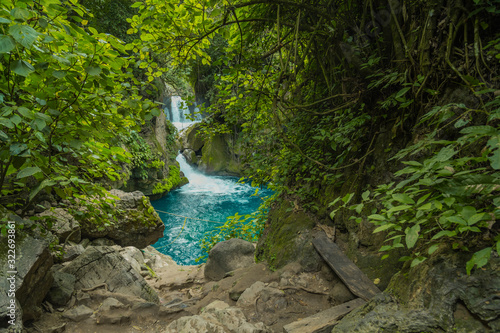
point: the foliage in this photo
(248, 227)
(173, 180)
(448, 197)
(65, 94)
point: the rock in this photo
(428, 296)
(341, 293)
(190, 139)
(32, 281)
(102, 264)
(113, 319)
(62, 289)
(71, 252)
(190, 156)
(250, 295)
(137, 223)
(217, 156)
(111, 304)
(227, 256)
(64, 226)
(217, 317)
(79, 313)
(134, 256)
(102, 242)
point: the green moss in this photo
(173, 180)
(287, 237)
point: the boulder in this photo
(64, 225)
(189, 138)
(227, 256)
(218, 157)
(190, 156)
(425, 297)
(71, 252)
(79, 313)
(103, 264)
(217, 317)
(134, 256)
(137, 223)
(30, 277)
(62, 289)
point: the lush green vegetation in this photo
(66, 92)
(314, 88)
(387, 110)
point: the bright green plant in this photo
(173, 180)
(65, 94)
(248, 227)
(449, 197)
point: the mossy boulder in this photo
(288, 238)
(190, 139)
(134, 223)
(217, 158)
(426, 298)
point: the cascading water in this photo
(212, 198)
(179, 113)
(204, 198)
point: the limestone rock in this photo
(428, 295)
(65, 227)
(62, 289)
(102, 264)
(189, 138)
(79, 313)
(32, 280)
(250, 295)
(227, 256)
(72, 251)
(218, 317)
(137, 222)
(134, 256)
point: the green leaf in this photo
(479, 259)
(7, 44)
(25, 112)
(412, 235)
(442, 233)
(45, 183)
(17, 149)
(457, 220)
(418, 261)
(398, 208)
(22, 67)
(433, 249)
(445, 154)
(26, 172)
(20, 13)
(468, 211)
(23, 34)
(426, 206)
(498, 247)
(476, 218)
(4, 20)
(377, 217)
(449, 201)
(383, 227)
(59, 74)
(156, 112)
(403, 198)
(365, 195)
(93, 71)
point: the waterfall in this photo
(179, 113)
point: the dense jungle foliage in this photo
(311, 88)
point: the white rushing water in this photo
(179, 113)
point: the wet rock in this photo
(102, 264)
(64, 226)
(228, 256)
(190, 156)
(62, 289)
(79, 313)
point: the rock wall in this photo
(218, 154)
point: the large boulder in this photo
(100, 265)
(228, 256)
(436, 295)
(137, 223)
(25, 282)
(189, 138)
(218, 157)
